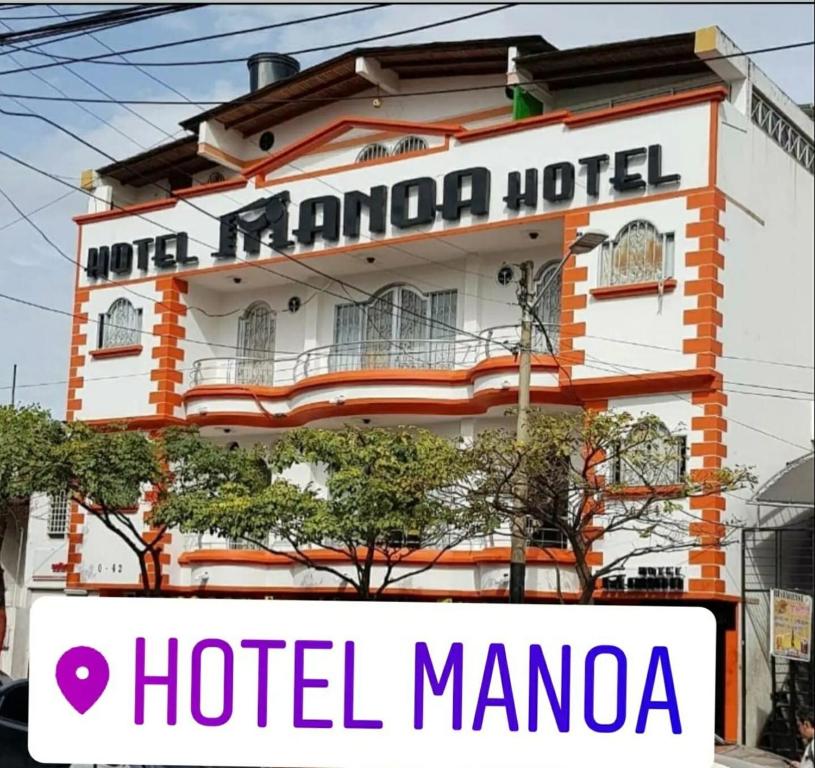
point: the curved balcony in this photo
(428, 377)
(368, 355)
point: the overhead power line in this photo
(250, 98)
(95, 21)
(100, 58)
(301, 263)
(423, 27)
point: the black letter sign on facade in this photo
(121, 258)
(98, 259)
(143, 252)
(328, 229)
(161, 258)
(400, 202)
(376, 203)
(593, 165)
(655, 177)
(623, 181)
(528, 196)
(479, 200)
(272, 213)
(550, 182)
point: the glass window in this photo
(120, 326)
(409, 144)
(399, 328)
(256, 344)
(639, 254)
(57, 523)
(372, 152)
(659, 461)
(547, 306)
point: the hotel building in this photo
(328, 250)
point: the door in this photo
(547, 308)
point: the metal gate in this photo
(776, 558)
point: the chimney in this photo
(268, 68)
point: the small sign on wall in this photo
(790, 625)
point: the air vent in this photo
(372, 152)
(409, 144)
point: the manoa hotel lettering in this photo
(410, 203)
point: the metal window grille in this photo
(57, 521)
(256, 342)
(552, 500)
(242, 544)
(399, 328)
(372, 152)
(409, 144)
(120, 326)
(660, 462)
(639, 254)
(782, 131)
(547, 306)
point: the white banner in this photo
(370, 685)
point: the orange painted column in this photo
(168, 353)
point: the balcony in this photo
(370, 355)
(383, 378)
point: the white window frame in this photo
(120, 326)
(59, 517)
(611, 274)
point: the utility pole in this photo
(517, 562)
(13, 384)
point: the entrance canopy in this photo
(792, 486)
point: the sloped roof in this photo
(337, 78)
(645, 57)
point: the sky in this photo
(32, 269)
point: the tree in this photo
(28, 438)
(390, 494)
(592, 474)
(111, 471)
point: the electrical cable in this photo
(289, 257)
(217, 36)
(251, 99)
(99, 20)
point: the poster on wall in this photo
(791, 625)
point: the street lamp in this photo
(586, 241)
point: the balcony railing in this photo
(371, 354)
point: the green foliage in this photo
(576, 462)
(110, 468)
(29, 438)
(382, 484)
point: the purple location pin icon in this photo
(82, 676)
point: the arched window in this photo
(547, 307)
(639, 254)
(409, 144)
(256, 343)
(400, 327)
(372, 152)
(120, 326)
(655, 458)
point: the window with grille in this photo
(242, 544)
(256, 344)
(399, 328)
(57, 521)
(120, 326)
(639, 254)
(547, 307)
(659, 461)
(372, 152)
(782, 131)
(551, 498)
(409, 144)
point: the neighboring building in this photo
(35, 555)
(697, 167)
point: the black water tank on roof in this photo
(268, 68)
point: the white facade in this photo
(734, 287)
